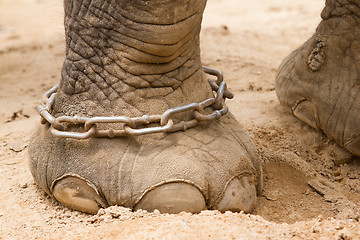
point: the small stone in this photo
(344, 235)
(92, 219)
(24, 185)
(18, 146)
(340, 227)
(17, 115)
(330, 198)
(101, 212)
(317, 186)
(67, 214)
(272, 196)
(316, 230)
(115, 214)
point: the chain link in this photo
(138, 125)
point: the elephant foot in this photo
(319, 82)
(214, 166)
(124, 60)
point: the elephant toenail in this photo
(76, 193)
(173, 198)
(238, 196)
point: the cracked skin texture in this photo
(320, 81)
(129, 58)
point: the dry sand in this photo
(312, 186)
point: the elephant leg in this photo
(131, 60)
(319, 81)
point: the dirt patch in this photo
(287, 196)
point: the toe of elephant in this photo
(299, 75)
(173, 198)
(239, 195)
(79, 194)
(305, 111)
(353, 146)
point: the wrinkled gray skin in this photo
(320, 81)
(136, 57)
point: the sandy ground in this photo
(312, 186)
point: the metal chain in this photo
(137, 125)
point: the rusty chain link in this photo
(137, 125)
